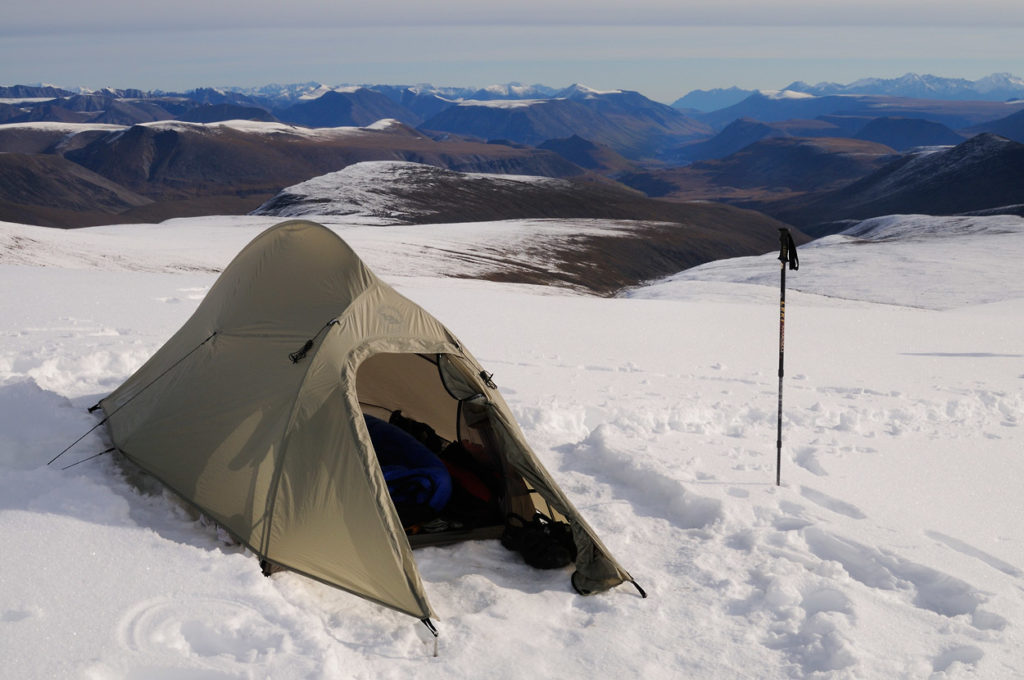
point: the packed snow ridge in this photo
(380, 190)
(247, 126)
(902, 248)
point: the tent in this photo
(253, 412)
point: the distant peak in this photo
(986, 139)
(386, 124)
(786, 94)
(578, 91)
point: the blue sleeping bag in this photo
(415, 476)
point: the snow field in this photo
(892, 548)
(684, 437)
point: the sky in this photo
(660, 48)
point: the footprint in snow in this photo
(807, 458)
(971, 551)
(16, 615)
(928, 588)
(810, 625)
(967, 655)
(830, 503)
(648, 489)
(220, 637)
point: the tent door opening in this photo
(447, 473)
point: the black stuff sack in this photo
(544, 543)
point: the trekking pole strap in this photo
(787, 249)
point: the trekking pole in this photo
(787, 256)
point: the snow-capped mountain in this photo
(506, 91)
(995, 87)
(578, 91)
(626, 121)
(295, 92)
(285, 93)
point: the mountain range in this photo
(781, 106)
(803, 154)
(974, 176)
(818, 184)
(222, 168)
(994, 87)
(771, 168)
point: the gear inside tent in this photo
(331, 425)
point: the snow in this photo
(786, 94)
(315, 93)
(573, 91)
(248, 126)
(502, 91)
(906, 260)
(586, 92)
(256, 127)
(25, 100)
(892, 549)
(999, 81)
(384, 124)
(503, 103)
(56, 126)
(364, 190)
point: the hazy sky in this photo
(662, 48)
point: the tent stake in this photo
(433, 631)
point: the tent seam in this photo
(275, 481)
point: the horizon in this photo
(662, 50)
(74, 87)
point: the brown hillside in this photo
(51, 191)
(770, 169)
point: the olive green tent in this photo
(253, 413)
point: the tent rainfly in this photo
(253, 412)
